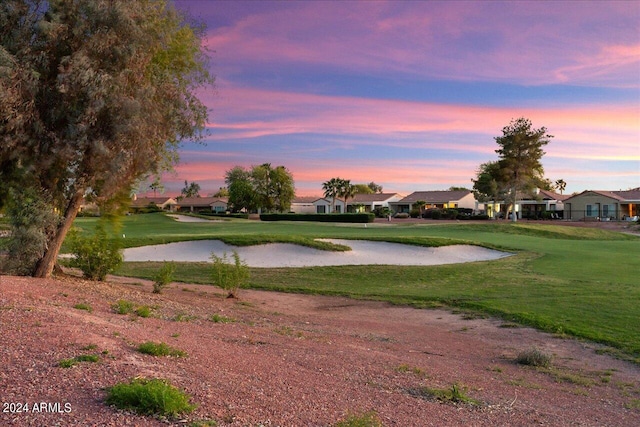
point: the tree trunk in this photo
(47, 263)
(514, 215)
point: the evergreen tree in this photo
(520, 154)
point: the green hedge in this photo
(349, 217)
(225, 215)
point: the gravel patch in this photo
(291, 360)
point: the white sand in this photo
(187, 218)
(289, 255)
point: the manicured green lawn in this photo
(580, 282)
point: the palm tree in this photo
(156, 185)
(331, 189)
(347, 190)
(561, 185)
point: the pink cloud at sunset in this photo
(612, 129)
(412, 94)
(529, 42)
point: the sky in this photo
(411, 94)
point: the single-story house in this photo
(371, 202)
(164, 203)
(304, 205)
(316, 205)
(359, 203)
(200, 204)
(327, 205)
(594, 205)
(436, 199)
(543, 201)
(531, 205)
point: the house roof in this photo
(435, 196)
(375, 197)
(552, 195)
(201, 201)
(543, 195)
(305, 199)
(632, 195)
(146, 201)
(628, 196)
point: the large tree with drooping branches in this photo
(94, 96)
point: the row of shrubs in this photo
(224, 214)
(347, 217)
(542, 215)
(459, 214)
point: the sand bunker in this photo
(288, 255)
(187, 218)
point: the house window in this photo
(592, 210)
(608, 211)
(321, 209)
(338, 208)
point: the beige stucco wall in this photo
(467, 202)
(303, 208)
(575, 208)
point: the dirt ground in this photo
(291, 360)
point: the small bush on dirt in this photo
(83, 306)
(455, 394)
(216, 318)
(404, 368)
(229, 276)
(68, 363)
(184, 317)
(534, 357)
(150, 396)
(368, 419)
(97, 255)
(159, 349)
(163, 277)
(143, 311)
(122, 307)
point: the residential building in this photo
(538, 205)
(164, 203)
(371, 202)
(326, 205)
(303, 205)
(436, 199)
(202, 204)
(322, 205)
(595, 205)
